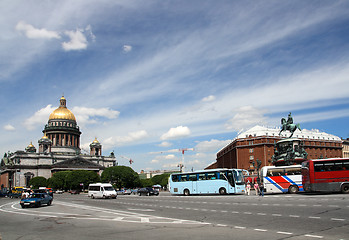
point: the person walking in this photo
(248, 188)
(256, 188)
(261, 190)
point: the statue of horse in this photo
(289, 127)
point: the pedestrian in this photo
(256, 187)
(261, 190)
(248, 188)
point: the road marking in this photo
(333, 205)
(276, 215)
(261, 214)
(313, 236)
(295, 216)
(260, 230)
(234, 212)
(247, 213)
(286, 233)
(337, 219)
(314, 217)
(238, 227)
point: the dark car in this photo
(74, 192)
(36, 200)
(147, 191)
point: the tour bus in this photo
(101, 190)
(212, 181)
(284, 179)
(326, 175)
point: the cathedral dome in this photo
(62, 112)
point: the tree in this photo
(146, 182)
(58, 180)
(161, 179)
(74, 179)
(37, 182)
(121, 176)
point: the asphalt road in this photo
(281, 216)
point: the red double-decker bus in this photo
(326, 175)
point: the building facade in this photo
(59, 150)
(346, 148)
(258, 143)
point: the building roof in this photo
(62, 112)
(315, 134)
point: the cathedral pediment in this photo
(78, 163)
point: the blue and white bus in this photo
(212, 181)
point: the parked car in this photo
(36, 200)
(74, 192)
(59, 191)
(147, 191)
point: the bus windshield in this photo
(239, 177)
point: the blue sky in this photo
(150, 77)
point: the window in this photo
(192, 177)
(211, 176)
(251, 150)
(251, 157)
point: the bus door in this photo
(192, 178)
(229, 177)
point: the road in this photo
(281, 216)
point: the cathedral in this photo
(59, 150)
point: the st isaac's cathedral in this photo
(59, 150)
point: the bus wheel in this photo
(345, 188)
(293, 189)
(186, 192)
(222, 191)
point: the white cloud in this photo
(154, 161)
(208, 98)
(209, 146)
(245, 117)
(39, 118)
(165, 144)
(170, 156)
(77, 41)
(35, 33)
(127, 48)
(131, 137)
(9, 127)
(177, 132)
(86, 115)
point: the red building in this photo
(258, 143)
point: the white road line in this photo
(314, 217)
(144, 220)
(317, 205)
(313, 236)
(234, 212)
(260, 230)
(276, 215)
(238, 227)
(333, 205)
(337, 219)
(261, 214)
(247, 213)
(294, 216)
(285, 233)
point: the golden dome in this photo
(95, 141)
(30, 145)
(62, 112)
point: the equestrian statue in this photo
(289, 125)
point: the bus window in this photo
(211, 176)
(294, 171)
(192, 177)
(202, 176)
(239, 178)
(175, 178)
(270, 173)
(183, 178)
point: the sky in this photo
(148, 78)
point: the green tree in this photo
(161, 179)
(74, 179)
(146, 182)
(37, 182)
(58, 180)
(121, 176)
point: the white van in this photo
(101, 190)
